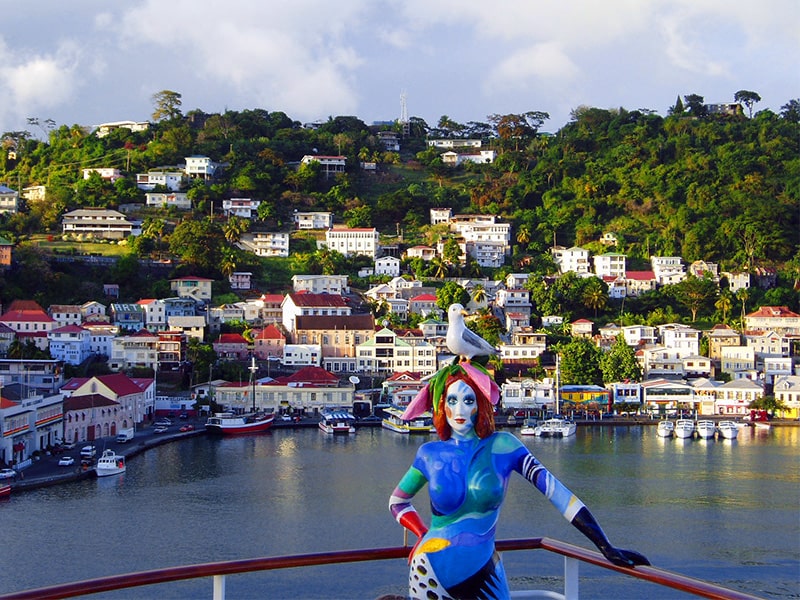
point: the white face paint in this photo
(461, 409)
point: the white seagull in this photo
(461, 340)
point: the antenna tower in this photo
(404, 113)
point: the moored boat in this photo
(728, 430)
(393, 421)
(665, 429)
(528, 427)
(705, 429)
(555, 428)
(230, 424)
(110, 463)
(337, 422)
(684, 429)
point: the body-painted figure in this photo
(467, 473)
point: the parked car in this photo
(88, 452)
(187, 427)
(66, 461)
(183, 415)
(7, 473)
(160, 429)
(68, 445)
(163, 423)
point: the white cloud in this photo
(39, 82)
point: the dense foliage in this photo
(723, 189)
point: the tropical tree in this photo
(167, 105)
(486, 325)
(748, 99)
(451, 293)
(234, 228)
(693, 293)
(479, 294)
(440, 267)
(523, 235)
(595, 294)
(743, 295)
(724, 304)
(619, 363)
(580, 362)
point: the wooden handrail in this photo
(116, 582)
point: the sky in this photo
(88, 62)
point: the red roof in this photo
(87, 401)
(311, 376)
(310, 299)
(424, 298)
(26, 311)
(272, 298)
(773, 312)
(120, 384)
(270, 332)
(231, 338)
(68, 329)
(640, 275)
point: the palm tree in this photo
(523, 235)
(594, 296)
(479, 294)
(440, 267)
(234, 228)
(742, 295)
(724, 305)
(228, 265)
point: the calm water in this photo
(725, 511)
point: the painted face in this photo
(461, 408)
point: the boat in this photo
(110, 463)
(728, 430)
(555, 428)
(684, 428)
(393, 421)
(5, 491)
(337, 422)
(665, 429)
(528, 427)
(230, 424)
(705, 429)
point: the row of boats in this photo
(704, 429)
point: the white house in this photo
(178, 200)
(526, 393)
(573, 259)
(388, 353)
(105, 128)
(321, 284)
(201, 167)
(329, 165)
(172, 180)
(70, 343)
(611, 264)
(668, 270)
(364, 241)
(268, 243)
(107, 173)
(9, 200)
(387, 265)
(313, 220)
(246, 208)
(301, 355)
(99, 222)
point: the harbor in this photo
(732, 519)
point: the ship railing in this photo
(218, 571)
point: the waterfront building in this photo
(400, 388)
(526, 393)
(133, 398)
(787, 391)
(29, 422)
(733, 398)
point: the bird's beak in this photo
(464, 312)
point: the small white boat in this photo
(528, 427)
(705, 429)
(230, 424)
(665, 429)
(110, 463)
(555, 428)
(337, 422)
(684, 428)
(728, 430)
(393, 421)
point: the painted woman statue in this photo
(467, 473)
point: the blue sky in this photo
(92, 61)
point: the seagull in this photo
(461, 340)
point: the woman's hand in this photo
(624, 558)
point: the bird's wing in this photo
(473, 339)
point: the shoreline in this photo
(45, 472)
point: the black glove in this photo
(588, 526)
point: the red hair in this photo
(484, 425)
